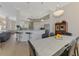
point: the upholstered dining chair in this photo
(74, 48)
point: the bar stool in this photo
(18, 36)
(29, 33)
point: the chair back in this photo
(74, 49)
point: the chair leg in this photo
(76, 51)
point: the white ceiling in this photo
(28, 9)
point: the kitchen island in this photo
(25, 35)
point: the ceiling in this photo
(28, 9)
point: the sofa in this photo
(4, 36)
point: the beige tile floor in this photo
(13, 48)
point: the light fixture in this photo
(58, 13)
(42, 20)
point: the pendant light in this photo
(58, 12)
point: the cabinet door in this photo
(57, 28)
(63, 27)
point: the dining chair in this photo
(74, 48)
(71, 51)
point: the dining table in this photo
(52, 46)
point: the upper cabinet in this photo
(61, 27)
